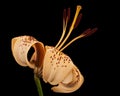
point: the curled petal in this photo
(56, 66)
(20, 48)
(73, 82)
(58, 69)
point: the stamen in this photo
(89, 32)
(65, 21)
(68, 14)
(78, 20)
(72, 26)
(64, 14)
(86, 33)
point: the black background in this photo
(43, 20)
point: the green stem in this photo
(38, 84)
